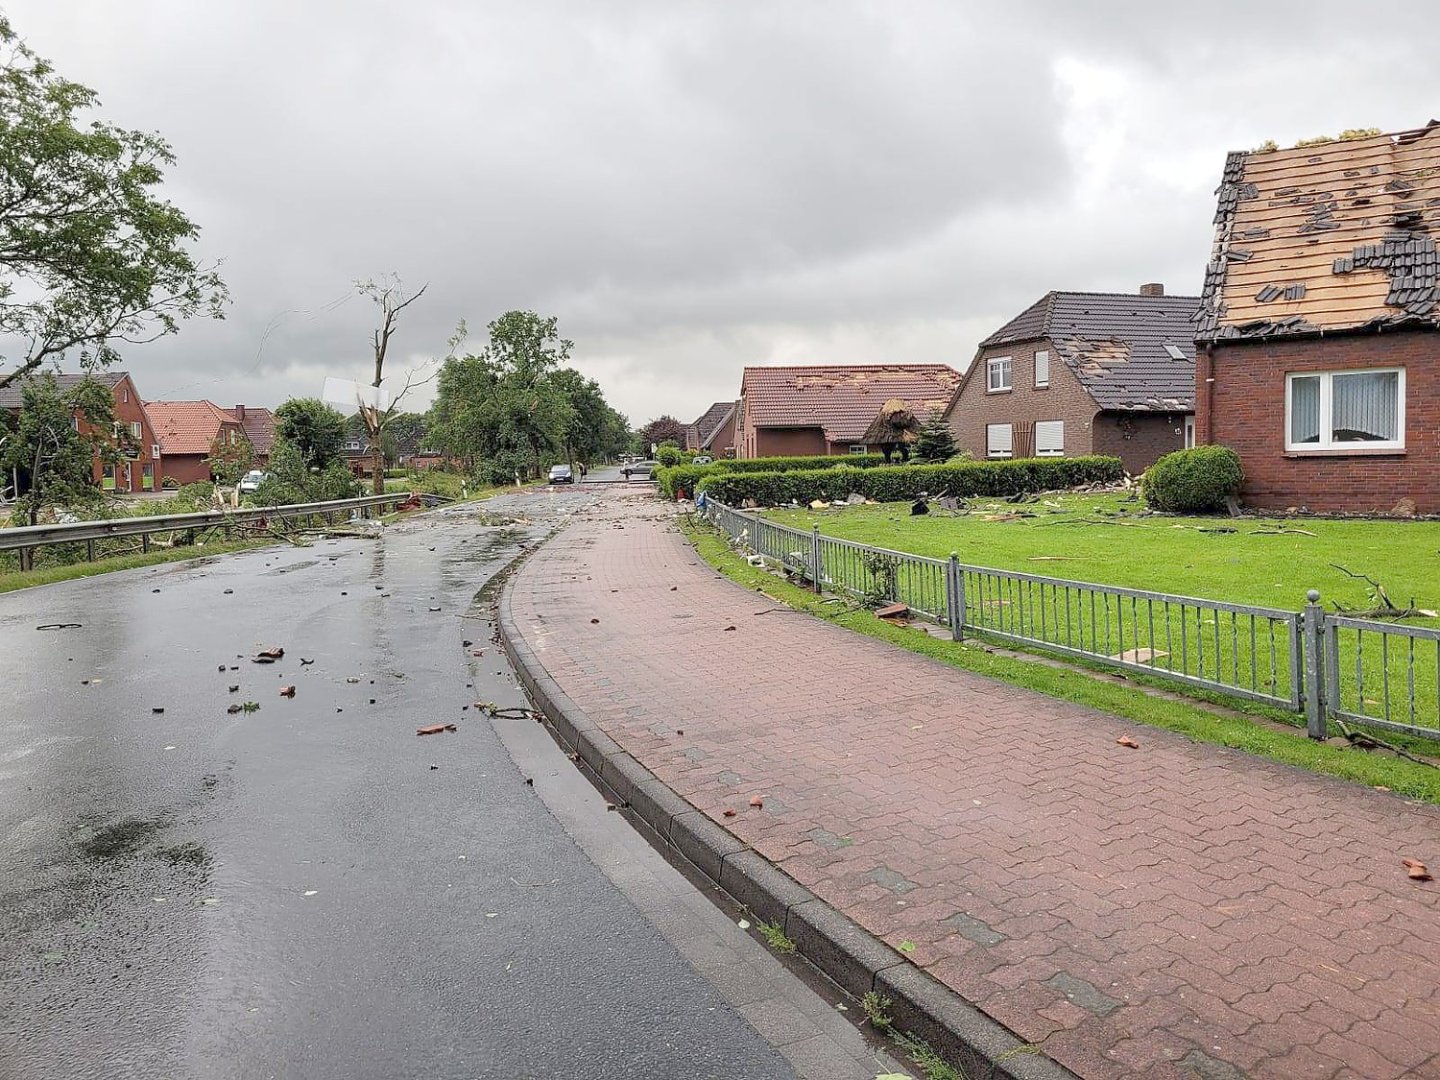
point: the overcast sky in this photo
(693, 187)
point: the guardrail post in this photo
(27, 558)
(1314, 634)
(816, 575)
(955, 596)
(90, 550)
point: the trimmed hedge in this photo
(1195, 481)
(684, 477)
(996, 479)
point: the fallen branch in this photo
(1369, 742)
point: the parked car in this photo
(561, 474)
(701, 459)
(251, 481)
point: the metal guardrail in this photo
(26, 538)
(1326, 666)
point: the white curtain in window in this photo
(1305, 410)
(1365, 407)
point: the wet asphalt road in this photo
(309, 890)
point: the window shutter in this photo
(1050, 438)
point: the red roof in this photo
(187, 427)
(842, 398)
(259, 425)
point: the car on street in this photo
(639, 470)
(701, 459)
(561, 474)
(251, 481)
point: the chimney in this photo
(240, 409)
(1154, 288)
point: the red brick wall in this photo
(1138, 439)
(1065, 399)
(791, 442)
(128, 409)
(1247, 413)
(186, 468)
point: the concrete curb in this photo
(851, 956)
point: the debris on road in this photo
(268, 655)
(1416, 870)
(433, 729)
(59, 626)
(287, 691)
(756, 801)
(729, 813)
(234, 688)
(1126, 740)
(158, 709)
(305, 663)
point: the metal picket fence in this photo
(1325, 666)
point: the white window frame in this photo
(1190, 431)
(1327, 430)
(1059, 451)
(1042, 356)
(1004, 368)
(990, 451)
(155, 450)
(135, 430)
(859, 448)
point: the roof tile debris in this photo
(1121, 346)
(1337, 236)
(842, 399)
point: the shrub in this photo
(673, 455)
(996, 479)
(1196, 481)
(685, 477)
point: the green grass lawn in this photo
(1253, 736)
(1111, 540)
(1066, 539)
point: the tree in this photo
(595, 429)
(936, 443)
(52, 455)
(662, 429)
(91, 257)
(231, 457)
(390, 297)
(315, 429)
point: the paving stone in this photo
(1197, 897)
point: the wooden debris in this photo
(435, 729)
(1416, 870)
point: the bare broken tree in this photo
(390, 297)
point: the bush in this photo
(673, 455)
(996, 479)
(685, 477)
(1196, 481)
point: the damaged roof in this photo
(711, 421)
(1121, 346)
(259, 427)
(1336, 236)
(842, 398)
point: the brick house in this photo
(714, 432)
(1319, 357)
(132, 432)
(188, 432)
(1083, 373)
(259, 428)
(797, 411)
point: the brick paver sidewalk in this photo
(1177, 910)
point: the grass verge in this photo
(1075, 685)
(49, 575)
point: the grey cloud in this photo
(692, 186)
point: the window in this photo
(1042, 368)
(997, 375)
(135, 429)
(1189, 432)
(997, 440)
(1050, 438)
(1175, 352)
(1345, 410)
(155, 450)
(859, 449)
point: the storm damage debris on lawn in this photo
(1126, 740)
(435, 729)
(893, 611)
